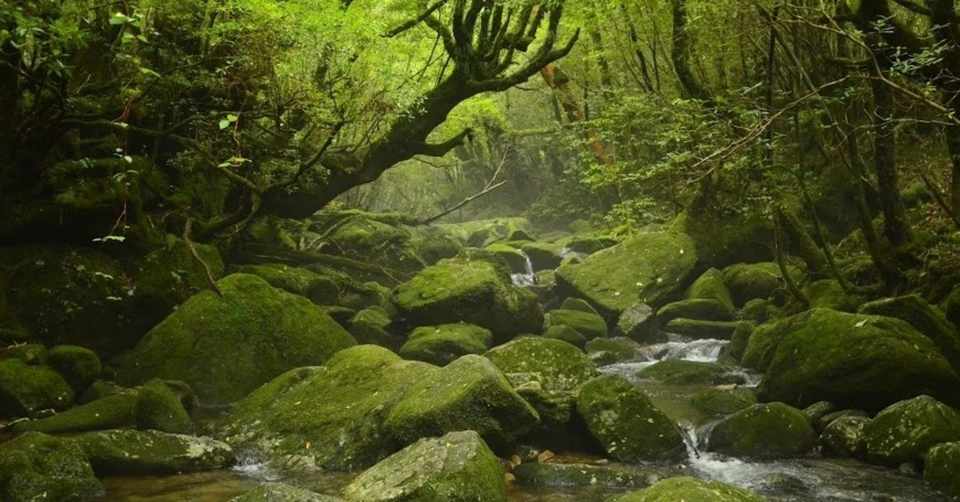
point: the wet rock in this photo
(458, 467)
(682, 372)
(589, 325)
(79, 366)
(476, 292)
(827, 419)
(566, 334)
(690, 490)
(711, 286)
(854, 361)
(818, 410)
(225, 347)
(613, 350)
(639, 323)
(748, 281)
(36, 466)
(844, 437)
(559, 365)
(702, 330)
(926, 318)
(556, 475)
(370, 327)
(626, 423)
(647, 268)
(772, 430)
(543, 255)
(942, 468)
(905, 431)
(722, 401)
(739, 341)
(441, 345)
(98, 390)
(513, 257)
(279, 492)
(26, 389)
(123, 452)
(696, 308)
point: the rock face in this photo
(647, 268)
(903, 432)
(628, 426)
(942, 468)
(458, 467)
(477, 292)
(441, 345)
(152, 452)
(588, 324)
(689, 489)
(225, 347)
(853, 361)
(557, 364)
(36, 466)
(772, 430)
(844, 437)
(926, 318)
(25, 389)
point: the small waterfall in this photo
(528, 277)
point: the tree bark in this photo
(690, 87)
(895, 226)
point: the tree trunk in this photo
(689, 86)
(885, 163)
(557, 80)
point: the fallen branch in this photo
(940, 200)
(462, 203)
(196, 256)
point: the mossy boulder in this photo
(951, 306)
(566, 334)
(458, 467)
(773, 430)
(479, 233)
(36, 466)
(126, 452)
(559, 365)
(159, 407)
(543, 255)
(648, 268)
(26, 389)
(905, 431)
(717, 401)
(942, 468)
(704, 309)
(567, 476)
(626, 423)
(702, 330)
(513, 257)
(467, 394)
(926, 318)
(853, 361)
(578, 304)
(639, 323)
(829, 294)
(280, 492)
(169, 275)
(475, 292)
(226, 346)
(748, 281)
(371, 326)
(689, 489)
(331, 416)
(588, 324)
(589, 244)
(738, 342)
(79, 366)
(30, 353)
(711, 286)
(844, 437)
(318, 288)
(682, 372)
(613, 350)
(441, 345)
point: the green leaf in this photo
(224, 124)
(119, 18)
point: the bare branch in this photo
(415, 21)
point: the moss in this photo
(467, 394)
(100, 389)
(457, 467)
(942, 468)
(559, 365)
(479, 233)
(619, 349)
(476, 292)
(370, 326)
(566, 334)
(279, 492)
(695, 328)
(682, 372)
(719, 401)
(26, 389)
(589, 244)
(514, 258)
(441, 345)
(759, 310)
(844, 437)
(926, 318)
(587, 324)
(690, 490)
(543, 255)
(578, 304)
(639, 323)
(566, 476)
(299, 281)
(853, 361)
(827, 293)
(31, 353)
(79, 366)
(710, 286)
(626, 423)
(126, 452)
(749, 281)
(648, 268)
(332, 416)
(697, 308)
(111, 412)
(904, 431)
(169, 275)
(36, 467)
(773, 430)
(738, 342)
(951, 306)
(159, 408)
(225, 347)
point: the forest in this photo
(479, 250)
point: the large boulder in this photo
(647, 268)
(704, 309)
(942, 468)
(905, 431)
(771, 430)
(467, 394)
(844, 437)
(36, 466)
(626, 423)
(926, 318)
(78, 365)
(226, 346)
(458, 467)
(588, 324)
(441, 345)
(473, 291)
(748, 281)
(719, 401)
(124, 452)
(169, 275)
(689, 489)
(711, 286)
(557, 364)
(318, 288)
(372, 326)
(26, 389)
(853, 361)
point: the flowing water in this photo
(528, 277)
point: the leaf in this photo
(128, 158)
(118, 19)
(224, 124)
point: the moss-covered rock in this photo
(458, 467)
(123, 452)
(587, 324)
(759, 310)
(853, 361)
(467, 394)
(371, 326)
(626, 423)
(827, 419)
(79, 366)
(647, 268)
(280, 492)
(690, 489)
(615, 349)
(829, 294)
(639, 323)
(479, 233)
(682, 372)
(476, 292)
(711, 286)
(773, 430)
(567, 476)
(903, 432)
(578, 304)
(951, 306)
(226, 346)
(844, 437)
(818, 410)
(318, 288)
(942, 468)
(543, 255)
(159, 407)
(169, 275)
(30, 353)
(330, 416)
(513, 257)
(723, 401)
(441, 345)
(566, 334)
(26, 389)
(702, 330)
(697, 308)
(559, 365)
(589, 244)
(748, 281)
(926, 318)
(738, 342)
(36, 467)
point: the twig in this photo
(939, 198)
(193, 251)
(462, 203)
(415, 21)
